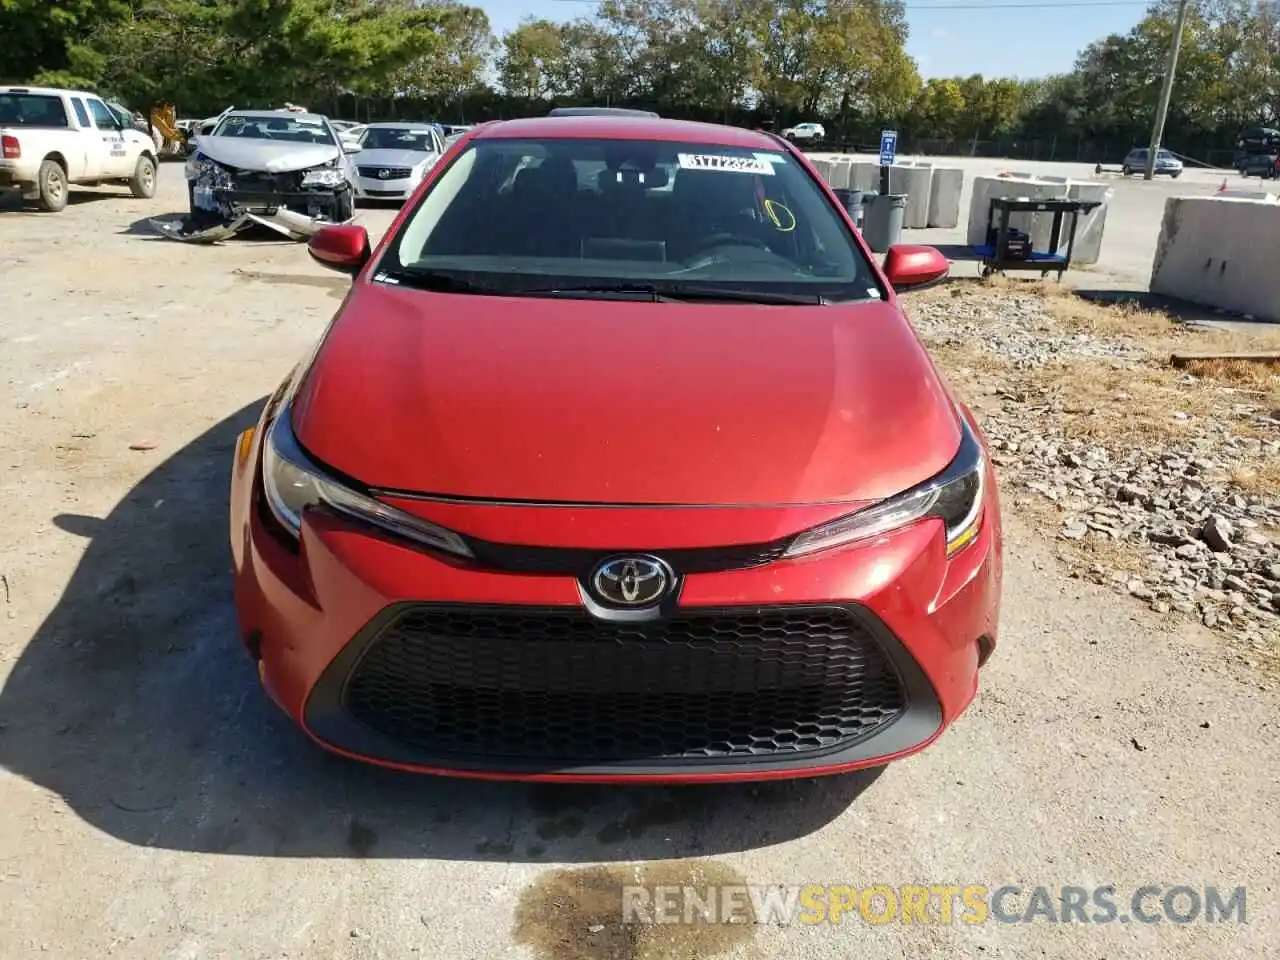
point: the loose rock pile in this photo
(1208, 548)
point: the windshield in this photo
(397, 138)
(122, 114)
(531, 215)
(32, 110)
(286, 128)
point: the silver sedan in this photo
(394, 157)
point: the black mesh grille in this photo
(254, 181)
(393, 173)
(562, 686)
(578, 562)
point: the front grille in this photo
(559, 686)
(393, 173)
(252, 181)
(580, 562)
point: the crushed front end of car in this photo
(226, 200)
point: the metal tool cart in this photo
(1008, 248)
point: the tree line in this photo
(765, 63)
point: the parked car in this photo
(281, 169)
(588, 479)
(348, 130)
(806, 131)
(394, 157)
(52, 138)
(1264, 165)
(1167, 165)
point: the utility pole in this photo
(1162, 111)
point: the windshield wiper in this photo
(647, 290)
(441, 280)
(675, 292)
(682, 292)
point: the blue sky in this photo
(1041, 39)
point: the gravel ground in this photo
(155, 806)
(1201, 542)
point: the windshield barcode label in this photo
(708, 161)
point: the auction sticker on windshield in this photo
(708, 161)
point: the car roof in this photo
(273, 114)
(398, 125)
(47, 91)
(626, 128)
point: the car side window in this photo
(82, 115)
(103, 118)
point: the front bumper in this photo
(221, 208)
(372, 188)
(402, 658)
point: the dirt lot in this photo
(156, 806)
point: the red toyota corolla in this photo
(619, 462)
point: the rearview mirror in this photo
(341, 247)
(910, 266)
(350, 148)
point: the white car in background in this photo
(283, 169)
(394, 157)
(348, 130)
(806, 131)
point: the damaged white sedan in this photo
(290, 172)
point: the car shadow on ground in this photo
(135, 702)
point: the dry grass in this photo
(1121, 403)
(1251, 375)
(1261, 478)
(1125, 322)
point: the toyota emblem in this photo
(636, 581)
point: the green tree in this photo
(939, 110)
(532, 57)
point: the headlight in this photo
(955, 495)
(196, 164)
(323, 177)
(292, 484)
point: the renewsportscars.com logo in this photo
(932, 903)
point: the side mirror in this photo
(910, 267)
(350, 148)
(343, 247)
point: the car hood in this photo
(391, 158)
(602, 401)
(267, 156)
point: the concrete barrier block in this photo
(840, 174)
(916, 183)
(1089, 229)
(866, 175)
(1220, 252)
(944, 197)
(824, 168)
(1037, 225)
(1241, 194)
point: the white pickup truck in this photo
(50, 139)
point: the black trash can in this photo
(883, 221)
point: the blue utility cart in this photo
(1010, 249)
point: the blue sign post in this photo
(888, 148)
